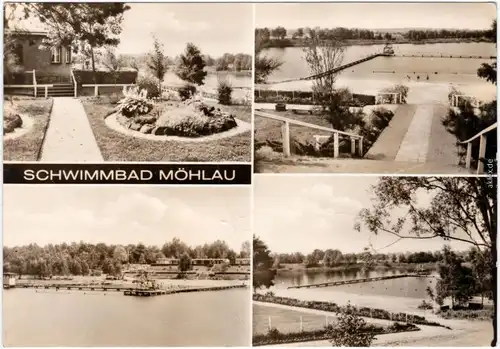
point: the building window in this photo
(56, 55)
(68, 55)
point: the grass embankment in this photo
(115, 146)
(334, 308)
(28, 147)
(286, 326)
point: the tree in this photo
(157, 62)
(350, 330)
(323, 56)
(488, 72)
(84, 26)
(120, 254)
(264, 65)
(245, 250)
(190, 66)
(184, 262)
(112, 61)
(263, 272)
(459, 208)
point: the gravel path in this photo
(69, 137)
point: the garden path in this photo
(69, 137)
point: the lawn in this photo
(268, 129)
(285, 320)
(28, 147)
(115, 146)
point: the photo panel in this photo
(142, 82)
(132, 266)
(409, 88)
(358, 261)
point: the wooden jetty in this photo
(445, 56)
(355, 281)
(127, 290)
(335, 70)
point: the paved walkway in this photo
(69, 137)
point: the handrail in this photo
(285, 133)
(75, 85)
(486, 130)
(482, 148)
(34, 82)
(305, 124)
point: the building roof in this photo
(25, 32)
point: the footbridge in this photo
(356, 281)
(334, 70)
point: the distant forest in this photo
(82, 258)
(333, 258)
(282, 37)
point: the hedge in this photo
(104, 77)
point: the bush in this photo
(11, 119)
(186, 92)
(149, 83)
(224, 91)
(134, 103)
(425, 305)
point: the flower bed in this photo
(275, 337)
(332, 307)
(11, 119)
(190, 118)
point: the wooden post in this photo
(482, 154)
(285, 136)
(316, 142)
(326, 320)
(335, 145)
(269, 323)
(46, 91)
(468, 157)
(96, 91)
(301, 324)
(360, 147)
(353, 145)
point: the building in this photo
(9, 280)
(242, 261)
(50, 65)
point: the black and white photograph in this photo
(126, 266)
(364, 261)
(94, 82)
(375, 88)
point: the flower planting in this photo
(332, 307)
(190, 118)
(11, 119)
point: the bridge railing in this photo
(285, 133)
(483, 138)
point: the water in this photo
(381, 72)
(413, 287)
(74, 318)
(241, 83)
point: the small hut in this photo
(9, 280)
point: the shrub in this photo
(425, 305)
(134, 103)
(11, 119)
(186, 92)
(150, 84)
(224, 91)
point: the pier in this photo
(128, 291)
(335, 70)
(356, 281)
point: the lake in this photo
(371, 76)
(75, 318)
(241, 83)
(413, 287)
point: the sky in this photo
(214, 28)
(376, 15)
(126, 215)
(303, 213)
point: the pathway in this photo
(69, 137)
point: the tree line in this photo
(83, 258)
(282, 37)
